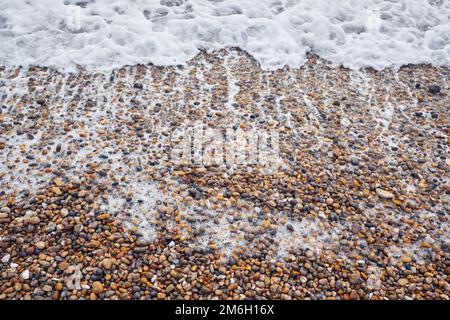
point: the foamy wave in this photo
(106, 34)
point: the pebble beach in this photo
(93, 206)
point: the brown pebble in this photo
(97, 287)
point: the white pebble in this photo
(6, 258)
(25, 275)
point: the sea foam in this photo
(104, 34)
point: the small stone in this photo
(82, 193)
(265, 224)
(161, 208)
(232, 286)
(434, 89)
(5, 210)
(138, 85)
(290, 227)
(204, 289)
(5, 258)
(63, 265)
(354, 295)
(403, 282)
(3, 215)
(356, 228)
(355, 278)
(57, 191)
(58, 182)
(18, 287)
(97, 287)
(107, 263)
(25, 275)
(103, 216)
(33, 220)
(161, 295)
(222, 270)
(406, 258)
(40, 245)
(47, 288)
(384, 194)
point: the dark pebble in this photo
(434, 89)
(138, 85)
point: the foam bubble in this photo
(141, 212)
(100, 34)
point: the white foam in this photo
(102, 34)
(141, 214)
(307, 234)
